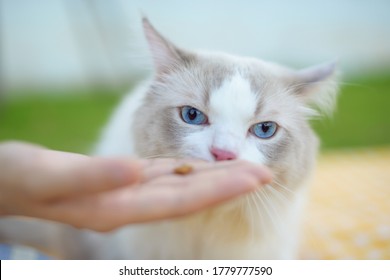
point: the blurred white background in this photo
(70, 43)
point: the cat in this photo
(212, 106)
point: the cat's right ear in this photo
(166, 56)
(318, 85)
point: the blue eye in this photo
(264, 130)
(192, 115)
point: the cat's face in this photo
(220, 107)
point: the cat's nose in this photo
(220, 154)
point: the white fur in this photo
(117, 139)
(232, 107)
(230, 114)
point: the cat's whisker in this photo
(281, 191)
(268, 196)
(161, 156)
(362, 86)
(296, 86)
(265, 205)
(276, 217)
(267, 211)
(284, 188)
(281, 196)
(251, 219)
(239, 213)
(258, 212)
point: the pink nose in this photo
(220, 154)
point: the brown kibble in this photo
(183, 169)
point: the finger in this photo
(162, 166)
(68, 174)
(155, 168)
(185, 196)
(206, 190)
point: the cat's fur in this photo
(235, 93)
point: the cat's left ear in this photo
(318, 85)
(166, 56)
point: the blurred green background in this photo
(73, 121)
(68, 121)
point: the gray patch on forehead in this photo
(211, 74)
(259, 83)
(197, 76)
(256, 78)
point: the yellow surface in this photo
(348, 216)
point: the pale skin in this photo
(102, 194)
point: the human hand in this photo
(104, 194)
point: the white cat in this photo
(211, 106)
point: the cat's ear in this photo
(165, 55)
(317, 85)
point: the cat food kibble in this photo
(183, 169)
